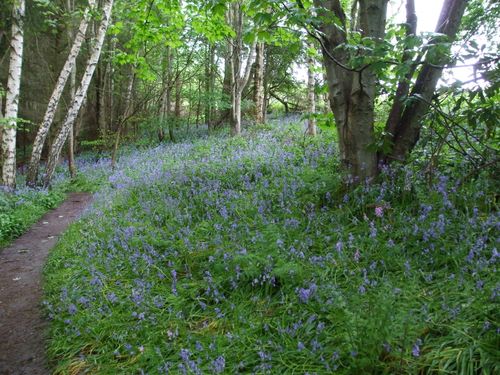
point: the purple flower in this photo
(72, 309)
(219, 364)
(373, 230)
(339, 246)
(306, 293)
(83, 301)
(416, 348)
(379, 211)
(184, 354)
(112, 297)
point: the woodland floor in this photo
(21, 323)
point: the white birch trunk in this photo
(240, 72)
(259, 96)
(72, 89)
(9, 129)
(48, 118)
(72, 114)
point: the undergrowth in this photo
(246, 255)
(20, 210)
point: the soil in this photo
(22, 325)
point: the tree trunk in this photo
(1, 135)
(190, 108)
(164, 89)
(240, 73)
(43, 130)
(123, 120)
(198, 105)
(101, 98)
(311, 96)
(80, 94)
(12, 97)
(407, 130)
(404, 85)
(225, 114)
(178, 99)
(213, 101)
(71, 140)
(111, 83)
(259, 84)
(72, 90)
(168, 98)
(352, 94)
(209, 83)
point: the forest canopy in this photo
(164, 65)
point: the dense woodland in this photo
(281, 187)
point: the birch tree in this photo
(259, 95)
(70, 6)
(9, 128)
(72, 114)
(55, 98)
(240, 70)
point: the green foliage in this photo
(19, 211)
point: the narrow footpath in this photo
(22, 327)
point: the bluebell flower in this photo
(306, 293)
(416, 348)
(72, 309)
(219, 364)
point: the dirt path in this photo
(22, 349)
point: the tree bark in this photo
(9, 129)
(101, 98)
(311, 96)
(123, 120)
(1, 134)
(71, 140)
(352, 94)
(209, 85)
(407, 130)
(404, 85)
(72, 90)
(43, 130)
(225, 114)
(259, 97)
(72, 114)
(165, 91)
(178, 99)
(198, 105)
(111, 83)
(168, 98)
(240, 72)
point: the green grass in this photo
(21, 210)
(247, 255)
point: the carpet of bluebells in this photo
(248, 255)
